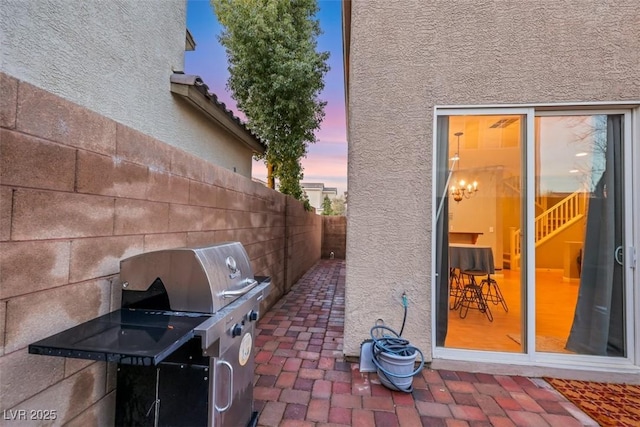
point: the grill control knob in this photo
(253, 316)
(236, 330)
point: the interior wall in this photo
(511, 217)
(551, 254)
(481, 213)
(78, 193)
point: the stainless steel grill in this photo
(183, 338)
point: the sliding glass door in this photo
(532, 234)
(480, 199)
(579, 239)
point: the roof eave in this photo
(189, 43)
(214, 113)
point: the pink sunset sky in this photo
(326, 161)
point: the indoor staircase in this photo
(548, 224)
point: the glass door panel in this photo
(579, 307)
(480, 303)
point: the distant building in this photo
(316, 192)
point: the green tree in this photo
(337, 205)
(326, 206)
(306, 203)
(276, 75)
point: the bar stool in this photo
(455, 289)
(472, 296)
(493, 292)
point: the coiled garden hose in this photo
(396, 346)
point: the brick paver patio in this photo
(302, 378)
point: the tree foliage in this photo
(276, 75)
(338, 205)
(326, 206)
(306, 203)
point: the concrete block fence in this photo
(334, 237)
(78, 193)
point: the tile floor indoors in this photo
(302, 378)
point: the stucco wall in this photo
(78, 193)
(115, 58)
(407, 57)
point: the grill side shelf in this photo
(130, 337)
(97, 355)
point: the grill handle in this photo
(230, 396)
(239, 292)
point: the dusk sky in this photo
(326, 161)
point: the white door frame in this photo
(631, 148)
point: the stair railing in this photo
(550, 223)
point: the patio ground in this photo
(302, 378)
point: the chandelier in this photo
(461, 189)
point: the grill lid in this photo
(179, 294)
(203, 279)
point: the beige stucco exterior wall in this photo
(115, 58)
(407, 57)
